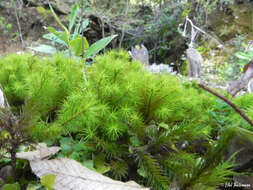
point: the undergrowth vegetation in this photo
(122, 121)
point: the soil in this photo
(31, 24)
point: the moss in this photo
(37, 84)
(228, 26)
(46, 14)
(184, 68)
(124, 112)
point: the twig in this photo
(123, 30)
(102, 23)
(248, 47)
(228, 102)
(82, 28)
(19, 26)
(103, 30)
(199, 30)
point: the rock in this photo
(58, 6)
(160, 68)
(246, 182)
(195, 62)
(140, 53)
(244, 156)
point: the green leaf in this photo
(44, 49)
(243, 56)
(53, 30)
(66, 140)
(142, 172)
(64, 36)
(164, 125)
(100, 164)
(33, 186)
(97, 46)
(66, 148)
(53, 38)
(80, 27)
(84, 25)
(14, 186)
(58, 20)
(48, 181)
(73, 16)
(103, 169)
(5, 135)
(79, 146)
(66, 145)
(76, 45)
(135, 141)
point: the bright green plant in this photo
(48, 181)
(243, 58)
(123, 121)
(14, 186)
(135, 119)
(74, 42)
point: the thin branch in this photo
(248, 47)
(102, 23)
(103, 30)
(240, 112)
(199, 30)
(82, 27)
(124, 26)
(19, 26)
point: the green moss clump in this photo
(36, 86)
(138, 122)
(126, 110)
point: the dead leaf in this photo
(3, 100)
(41, 154)
(70, 174)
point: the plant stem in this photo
(124, 26)
(19, 26)
(82, 6)
(240, 112)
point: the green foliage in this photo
(74, 43)
(14, 186)
(118, 113)
(243, 58)
(48, 181)
(232, 67)
(120, 120)
(36, 87)
(4, 26)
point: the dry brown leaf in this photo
(3, 100)
(41, 154)
(71, 175)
